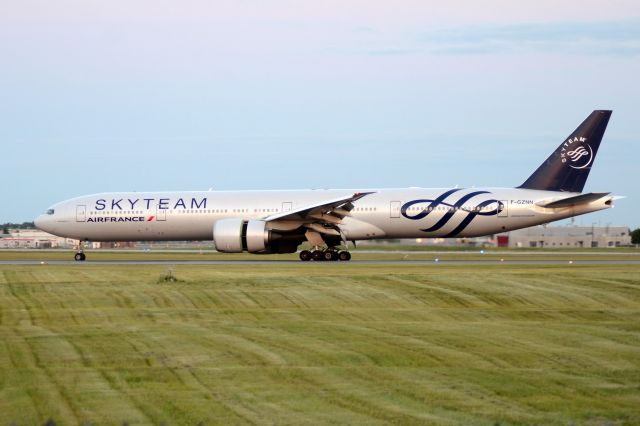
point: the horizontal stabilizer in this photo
(573, 201)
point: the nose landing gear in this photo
(80, 256)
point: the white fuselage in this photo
(385, 213)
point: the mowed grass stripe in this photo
(314, 344)
(35, 352)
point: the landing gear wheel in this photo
(80, 257)
(344, 256)
(330, 255)
(317, 255)
(305, 255)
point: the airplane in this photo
(276, 221)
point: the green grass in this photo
(320, 344)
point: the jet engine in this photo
(236, 235)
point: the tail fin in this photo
(568, 166)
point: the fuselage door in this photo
(287, 206)
(394, 209)
(161, 214)
(503, 208)
(81, 213)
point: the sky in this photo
(100, 96)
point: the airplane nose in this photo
(41, 223)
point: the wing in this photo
(323, 217)
(339, 207)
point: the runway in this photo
(298, 262)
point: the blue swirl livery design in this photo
(462, 209)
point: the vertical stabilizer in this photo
(567, 168)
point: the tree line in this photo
(9, 225)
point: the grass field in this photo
(364, 253)
(320, 344)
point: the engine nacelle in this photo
(236, 235)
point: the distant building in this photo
(119, 244)
(33, 238)
(488, 241)
(37, 239)
(566, 237)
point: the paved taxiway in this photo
(352, 262)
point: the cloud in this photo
(620, 37)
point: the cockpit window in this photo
(51, 211)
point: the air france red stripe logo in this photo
(150, 218)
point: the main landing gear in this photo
(328, 254)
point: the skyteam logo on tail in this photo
(577, 152)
